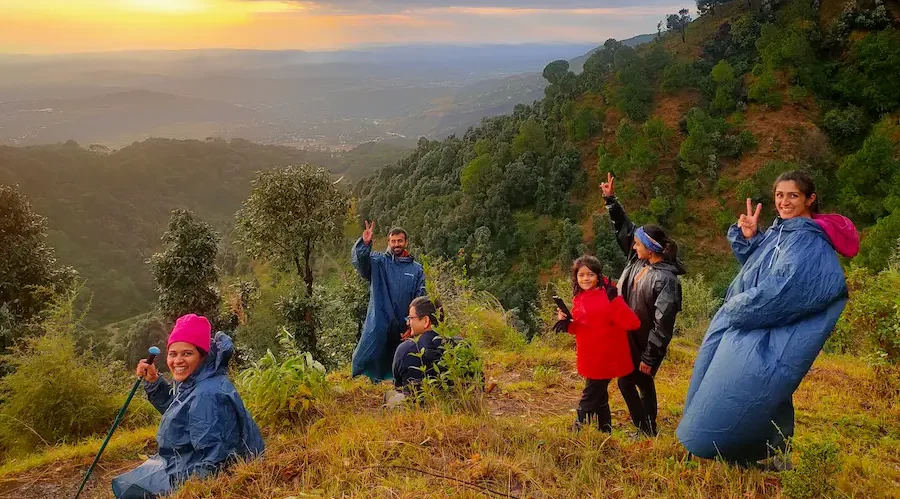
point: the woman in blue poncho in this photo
(205, 426)
(778, 312)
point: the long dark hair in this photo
(804, 183)
(425, 307)
(594, 265)
(670, 247)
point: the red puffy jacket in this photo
(601, 330)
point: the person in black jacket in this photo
(415, 358)
(651, 288)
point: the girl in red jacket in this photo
(600, 323)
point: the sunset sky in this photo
(54, 26)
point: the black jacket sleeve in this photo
(623, 226)
(666, 307)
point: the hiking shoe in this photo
(777, 464)
(394, 399)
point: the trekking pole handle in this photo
(154, 351)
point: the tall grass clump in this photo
(697, 308)
(54, 394)
(281, 393)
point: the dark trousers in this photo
(642, 406)
(594, 404)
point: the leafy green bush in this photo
(477, 315)
(677, 76)
(723, 76)
(697, 307)
(879, 243)
(871, 184)
(130, 344)
(709, 138)
(458, 384)
(872, 74)
(844, 124)
(54, 394)
(475, 173)
(764, 90)
(287, 392)
(870, 320)
(816, 474)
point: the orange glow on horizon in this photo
(61, 26)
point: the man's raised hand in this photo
(607, 187)
(749, 222)
(368, 233)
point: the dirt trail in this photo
(61, 480)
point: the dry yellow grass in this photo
(520, 445)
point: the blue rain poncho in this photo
(394, 282)
(778, 312)
(204, 427)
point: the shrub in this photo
(697, 307)
(284, 393)
(880, 241)
(724, 219)
(870, 320)
(130, 345)
(816, 473)
(764, 90)
(677, 76)
(546, 376)
(869, 177)
(458, 384)
(477, 315)
(54, 394)
(844, 124)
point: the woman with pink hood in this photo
(778, 312)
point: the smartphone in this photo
(562, 306)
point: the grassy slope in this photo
(521, 445)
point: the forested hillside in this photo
(107, 209)
(690, 124)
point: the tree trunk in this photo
(297, 264)
(682, 36)
(308, 277)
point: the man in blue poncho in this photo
(395, 280)
(777, 314)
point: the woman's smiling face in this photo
(183, 359)
(791, 202)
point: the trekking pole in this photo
(154, 351)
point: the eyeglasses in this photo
(408, 317)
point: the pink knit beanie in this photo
(193, 329)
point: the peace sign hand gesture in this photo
(607, 187)
(367, 234)
(749, 223)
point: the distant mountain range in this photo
(305, 99)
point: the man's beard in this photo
(397, 250)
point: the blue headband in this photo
(648, 241)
